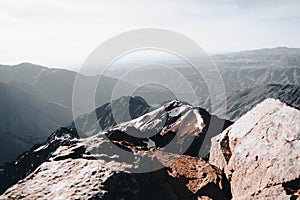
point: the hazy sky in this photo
(62, 33)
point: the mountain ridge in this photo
(63, 144)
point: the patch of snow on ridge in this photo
(138, 122)
(151, 144)
(200, 121)
(177, 110)
(151, 124)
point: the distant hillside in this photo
(25, 120)
(262, 58)
(35, 101)
(240, 102)
(55, 85)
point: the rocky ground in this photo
(257, 157)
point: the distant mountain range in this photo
(55, 85)
(80, 159)
(262, 58)
(36, 100)
(240, 102)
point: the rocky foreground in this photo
(257, 157)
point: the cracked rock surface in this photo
(259, 153)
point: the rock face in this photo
(176, 127)
(87, 178)
(259, 153)
(27, 162)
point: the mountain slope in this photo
(106, 116)
(35, 101)
(26, 120)
(55, 85)
(240, 102)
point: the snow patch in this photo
(178, 110)
(150, 144)
(200, 121)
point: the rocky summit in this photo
(158, 156)
(259, 153)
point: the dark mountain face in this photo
(238, 103)
(26, 120)
(106, 116)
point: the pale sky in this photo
(62, 33)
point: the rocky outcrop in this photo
(259, 153)
(102, 166)
(27, 162)
(97, 173)
(176, 127)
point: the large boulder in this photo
(259, 153)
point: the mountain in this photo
(278, 57)
(26, 120)
(116, 164)
(237, 72)
(241, 77)
(240, 102)
(259, 153)
(36, 100)
(99, 166)
(56, 85)
(105, 116)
